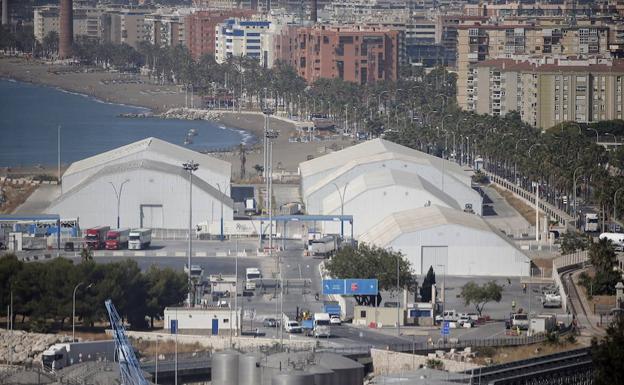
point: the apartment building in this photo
(122, 24)
(87, 21)
(165, 30)
(235, 37)
(550, 91)
(476, 43)
(201, 27)
(357, 54)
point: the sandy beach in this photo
(112, 88)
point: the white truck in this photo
(322, 323)
(591, 222)
(252, 274)
(139, 239)
(324, 246)
(61, 355)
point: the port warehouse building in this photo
(155, 188)
(412, 202)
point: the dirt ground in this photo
(504, 355)
(11, 196)
(525, 210)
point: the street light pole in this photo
(118, 195)
(190, 166)
(398, 296)
(596, 131)
(615, 203)
(74, 309)
(536, 199)
(342, 197)
(224, 192)
(443, 296)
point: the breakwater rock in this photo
(24, 348)
(190, 114)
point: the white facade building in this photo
(155, 188)
(236, 37)
(211, 320)
(465, 244)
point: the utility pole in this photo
(190, 166)
(58, 159)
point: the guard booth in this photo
(26, 224)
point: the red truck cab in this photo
(117, 239)
(96, 237)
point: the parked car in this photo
(466, 321)
(335, 320)
(270, 323)
(292, 327)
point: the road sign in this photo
(350, 286)
(361, 287)
(445, 329)
(174, 326)
(333, 286)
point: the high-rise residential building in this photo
(165, 29)
(550, 91)
(356, 54)
(235, 37)
(476, 43)
(125, 25)
(200, 28)
(87, 21)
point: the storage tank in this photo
(249, 372)
(322, 376)
(293, 378)
(346, 371)
(225, 367)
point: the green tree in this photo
(479, 296)
(50, 43)
(603, 258)
(165, 287)
(428, 282)
(572, 241)
(371, 262)
(608, 355)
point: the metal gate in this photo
(432, 256)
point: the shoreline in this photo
(138, 92)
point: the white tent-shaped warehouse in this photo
(155, 190)
(464, 243)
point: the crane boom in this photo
(129, 368)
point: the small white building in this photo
(461, 244)
(206, 320)
(155, 188)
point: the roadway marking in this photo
(161, 253)
(221, 254)
(99, 253)
(139, 253)
(201, 254)
(179, 254)
(118, 253)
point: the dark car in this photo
(270, 322)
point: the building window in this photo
(225, 320)
(362, 313)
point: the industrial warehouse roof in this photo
(155, 145)
(369, 149)
(387, 156)
(424, 218)
(384, 178)
(145, 164)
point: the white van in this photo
(616, 238)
